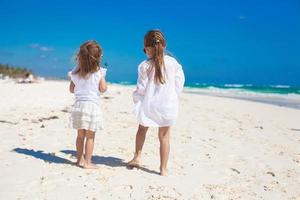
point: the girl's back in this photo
(160, 81)
(157, 104)
(87, 89)
(172, 67)
(86, 83)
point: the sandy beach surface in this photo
(221, 148)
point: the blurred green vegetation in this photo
(14, 72)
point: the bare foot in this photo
(80, 163)
(163, 172)
(135, 162)
(90, 166)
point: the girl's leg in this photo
(89, 147)
(79, 147)
(164, 139)
(139, 142)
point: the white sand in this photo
(220, 149)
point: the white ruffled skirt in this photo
(86, 115)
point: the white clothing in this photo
(156, 105)
(86, 89)
(86, 112)
(86, 115)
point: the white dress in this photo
(156, 105)
(86, 112)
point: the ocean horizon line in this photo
(279, 95)
(242, 87)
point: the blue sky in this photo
(250, 41)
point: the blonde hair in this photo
(155, 39)
(88, 58)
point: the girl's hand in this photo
(103, 71)
(72, 87)
(102, 85)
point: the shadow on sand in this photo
(46, 157)
(111, 162)
(101, 160)
(295, 129)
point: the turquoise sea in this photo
(279, 95)
(262, 89)
(267, 89)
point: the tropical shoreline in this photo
(220, 147)
(284, 100)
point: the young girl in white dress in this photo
(160, 82)
(87, 81)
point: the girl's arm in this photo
(71, 87)
(179, 80)
(102, 84)
(141, 82)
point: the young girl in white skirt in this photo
(87, 81)
(160, 82)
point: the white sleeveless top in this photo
(86, 89)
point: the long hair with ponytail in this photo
(88, 58)
(156, 40)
